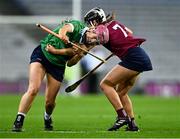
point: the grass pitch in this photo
(90, 116)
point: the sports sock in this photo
(133, 122)
(20, 113)
(46, 116)
(121, 113)
(20, 117)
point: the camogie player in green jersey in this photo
(49, 59)
(75, 32)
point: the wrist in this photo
(68, 52)
(55, 52)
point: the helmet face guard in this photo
(97, 36)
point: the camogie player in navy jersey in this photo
(122, 77)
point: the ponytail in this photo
(110, 17)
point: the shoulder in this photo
(76, 22)
(114, 22)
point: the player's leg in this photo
(116, 76)
(52, 89)
(36, 75)
(132, 126)
(122, 90)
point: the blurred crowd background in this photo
(156, 20)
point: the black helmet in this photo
(96, 14)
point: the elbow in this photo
(70, 64)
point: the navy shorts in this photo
(136, 59)
(55, 71)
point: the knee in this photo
(102, 85)
(32, 91)
(122, 93)
(105, 83)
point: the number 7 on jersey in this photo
(116, 26)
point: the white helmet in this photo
(96, 14)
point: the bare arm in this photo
(66, 28)
(77, 57)
(65, 51)
(75, 53)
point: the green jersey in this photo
(75, 36)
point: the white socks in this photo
(22, 114)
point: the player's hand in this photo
(79, 51)
(50, 49)
(76, 50)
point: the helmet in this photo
(102, 34)
(96, 14)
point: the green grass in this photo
(90, 116)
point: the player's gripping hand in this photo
(65, 51)
(79, 51)
(50, 49)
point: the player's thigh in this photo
(119, 74)
(52, 88)
(36, 75)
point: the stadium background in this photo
(90, 115)
(156, 20)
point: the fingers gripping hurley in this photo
(59, 36)
(76, 84)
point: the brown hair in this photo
(110, 17)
